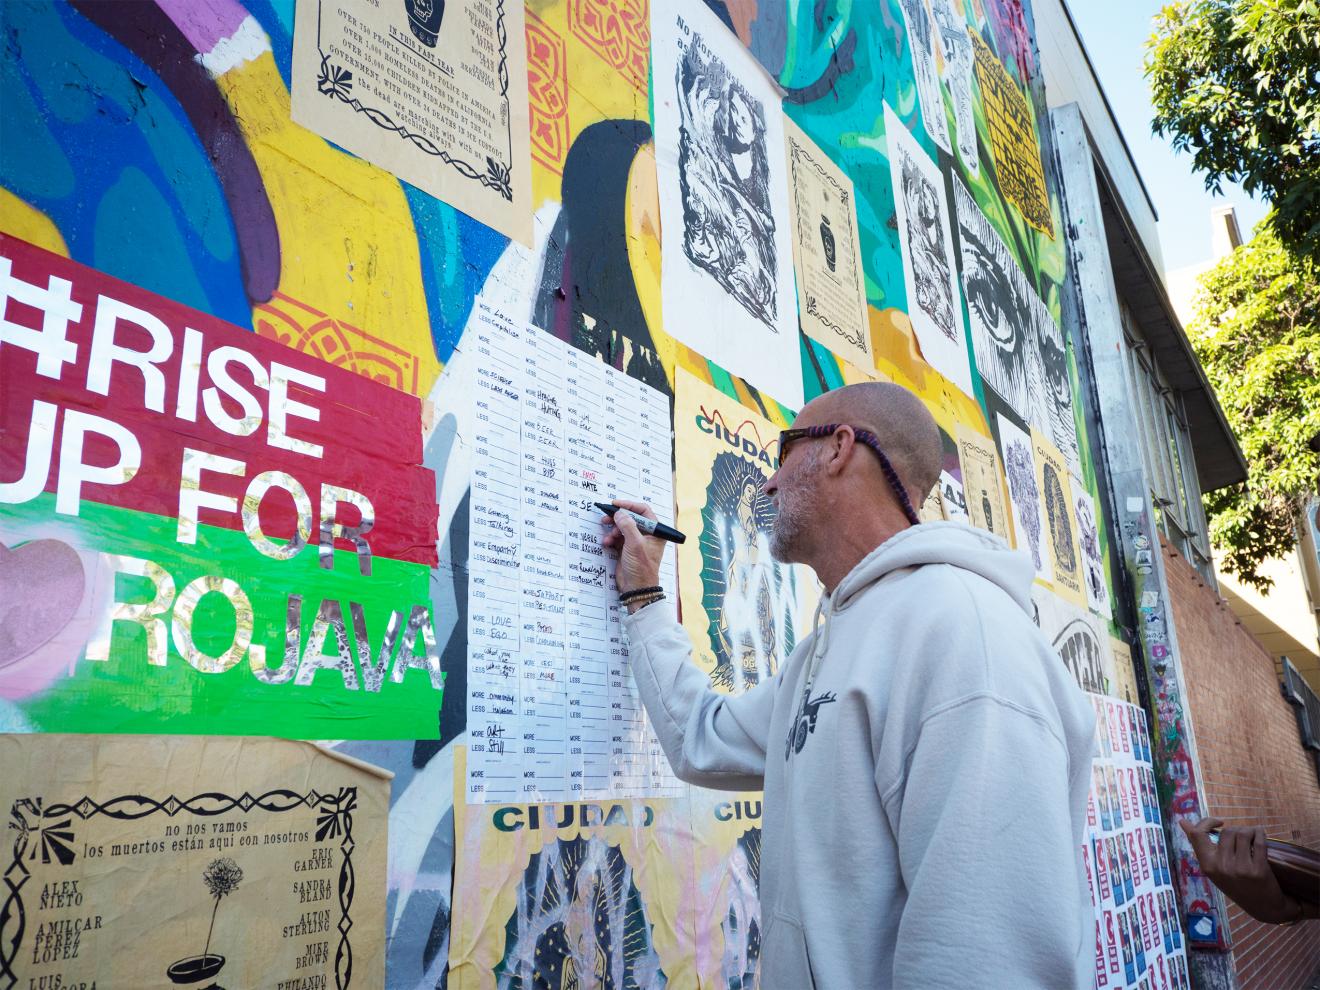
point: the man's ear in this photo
(842, 445)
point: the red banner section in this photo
(116, 395)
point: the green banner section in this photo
(217, 638)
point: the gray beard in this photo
(793, 518)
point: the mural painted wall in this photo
(236, 411)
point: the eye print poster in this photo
(727, 256)
(924, 235)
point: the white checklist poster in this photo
(553, 711)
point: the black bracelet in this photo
(627, 596)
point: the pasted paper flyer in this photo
(983, 484)
(827, 254)
(743, 610)
(570, 895)
(1060, 529)
(1013, 139)
(1077, 637)
(1125, 675)
(727, 256)
(1024, 494)
(434, 92)
(920, 32)
(929, 276)
(1088, 542)
(145, 861)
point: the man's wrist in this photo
(637, 604)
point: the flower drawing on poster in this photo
(723, 171)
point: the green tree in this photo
(1237, 83)
(1256, 330)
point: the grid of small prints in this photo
(1138, 936)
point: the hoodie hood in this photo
(952, 543)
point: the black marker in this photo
(648, 526)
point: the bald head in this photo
(900, 421)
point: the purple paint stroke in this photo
(204, 22)
(145, 30)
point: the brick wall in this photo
(1254, 766)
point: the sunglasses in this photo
(789, 437)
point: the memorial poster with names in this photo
(434, 92)
(1139, 943)
(743, 610)
(142, 861)
(983, 483)
(574, 894)
(827, 255)
(726, 274)
(1060, 526)
(553, 710)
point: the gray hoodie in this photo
(925, 788)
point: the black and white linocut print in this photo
(1088, 539)
(925, 233)
(959, 67)
(1056, 417)
(724, 178)
(1000, 310)
(921, 42)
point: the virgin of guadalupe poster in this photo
(743, 610)
(727, 255)
(1060, 527)
(922, 211)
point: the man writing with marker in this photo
(924, 754)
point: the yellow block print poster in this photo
(983, 483)
(1012, 139)
(571, 895)
(1060, 526)
(744, 611)
(727, 827)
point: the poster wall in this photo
(172, 844)
(241, 307)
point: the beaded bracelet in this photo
(642, 601)
(628, 596)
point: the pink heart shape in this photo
(41, 586)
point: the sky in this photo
(1114, 33)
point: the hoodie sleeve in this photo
(713, 740)
(986, 851)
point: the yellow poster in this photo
(1125, 675)
(148, 861)
(727, 829)
(983, 483)
(571, 895)
(421, 89)
(744, 611)
(1012, 139)
(1060, 525)
(827, 255)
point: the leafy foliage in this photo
(1237, 83)
(1257, 333)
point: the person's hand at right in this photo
(639, 555)
(1238, 867)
